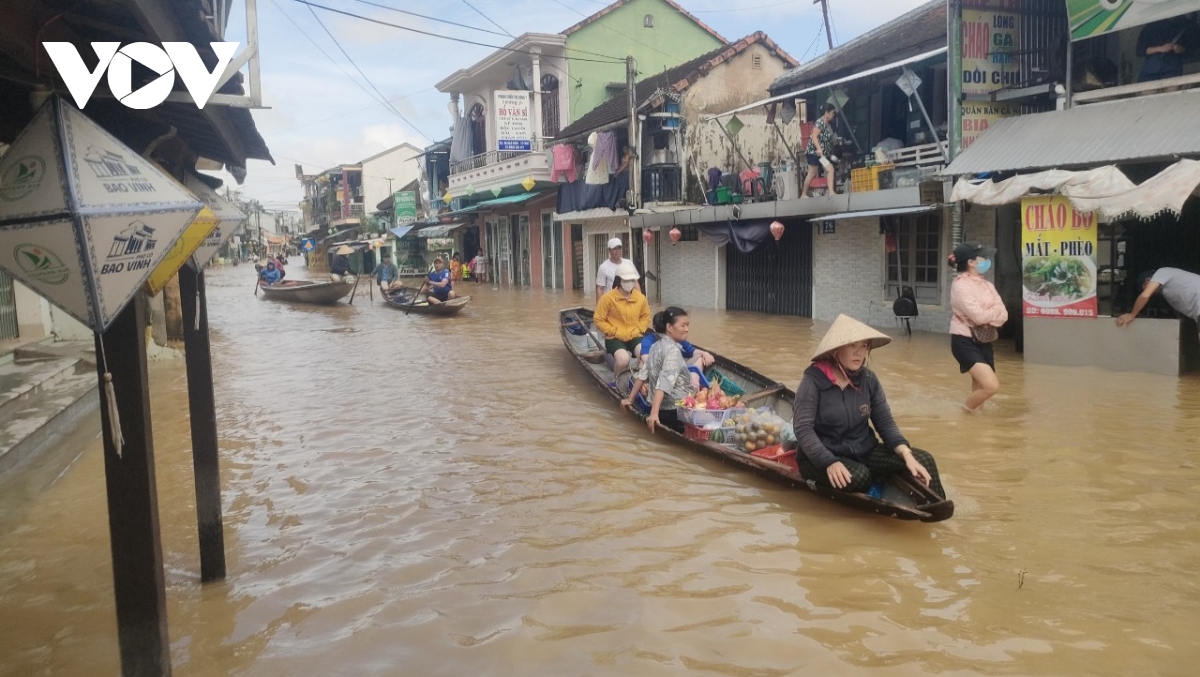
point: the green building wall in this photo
(674, 39)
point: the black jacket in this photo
(831, 422)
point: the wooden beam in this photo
(133, 526)
(202, 406)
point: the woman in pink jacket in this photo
(978, 310)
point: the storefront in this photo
(1124, 206)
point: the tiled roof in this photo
(920, 30)
(675, 79)
(621, 3)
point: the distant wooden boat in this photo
(402, 299)
(307, 291)
(903, 498)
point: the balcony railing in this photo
(492, 157)
(662, 184)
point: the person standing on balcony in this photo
(1164, 44)
(606, 274)
(819, 151)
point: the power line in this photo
(368, 80)
(315, 44)
(350, 112)
(488, 18)
(612, 59)
(431, 18)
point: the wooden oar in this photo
(414, 299)
(758, 395)
(575, 320)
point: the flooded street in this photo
(412, 495)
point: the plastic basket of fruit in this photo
(695, 432)
(753, 430)
(705, 417)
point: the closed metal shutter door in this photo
(776, 278)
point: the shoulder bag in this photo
(985, 333)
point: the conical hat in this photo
(846, 330)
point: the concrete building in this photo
(388, 171)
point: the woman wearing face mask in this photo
(840, 414)
(665, 370)
(623, 315)
(978, 311)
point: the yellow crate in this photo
(866, 179)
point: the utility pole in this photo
(633, 201)
(825, 11)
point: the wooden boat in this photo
(402, 299)
(307, 291)
(903, 498)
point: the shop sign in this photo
(193, 236)
(991, 41)
(514, 127)
(1058, 263)
(978, 116)
(404, 204)
(1090, 18)
(84, 219)
(230, 220)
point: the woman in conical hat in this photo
(841, 413)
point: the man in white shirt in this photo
(606, 274)
(1180, 288)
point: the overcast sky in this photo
(319, 117)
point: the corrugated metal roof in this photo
(1129, 130)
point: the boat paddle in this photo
(414, 298)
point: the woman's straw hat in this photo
(846, 330)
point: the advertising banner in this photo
(404, 204)
(991, 40)
(514, 127)
(1058, 262)
(977, 116)
(1089, 18)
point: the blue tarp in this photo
(401, 231)
(580, 196)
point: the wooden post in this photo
(202, 406)
(138, 581)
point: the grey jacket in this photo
(831, 422)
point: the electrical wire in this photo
(477, 11)
(430, 18)
(612, 59)
(325, 54)
(368, 80)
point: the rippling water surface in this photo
(433, 496)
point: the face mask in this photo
(627, 286)
(984, 266)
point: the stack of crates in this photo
(866, 179)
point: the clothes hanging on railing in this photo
(597, 167)
(563, 166)
(460, 141)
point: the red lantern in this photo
(647, 236)
(675, 235)
(776, 230)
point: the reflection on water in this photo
(449, 496)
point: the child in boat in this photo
(666, 370)
(697, 360)
(837, 402)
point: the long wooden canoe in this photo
(307, 291)
(903, 498)
(402, 299)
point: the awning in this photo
(440, 231)
(507, 200)
(1162, 126)
(849, 78)
(401, 231)
(876, 212)
(1104, 190)
(592, 214)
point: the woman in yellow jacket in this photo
(623, 315)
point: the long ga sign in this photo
(167, 60)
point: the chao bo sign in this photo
(172, 57)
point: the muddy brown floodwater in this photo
(431, 496)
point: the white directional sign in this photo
(83, 218)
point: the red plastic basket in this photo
(776, 453)
(695, 432)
